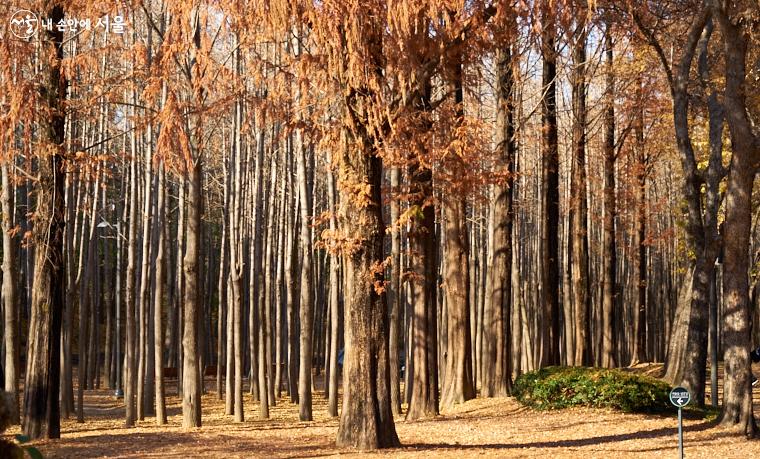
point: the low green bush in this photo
(562, 387)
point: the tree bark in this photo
(191, 381)
(579, 269)
(42, 383)
(158, 305)
(745, 145)
(609, 249)
(394, 297)
(332, 403)
(423, 247)
(550, 178)
(10, 297)
(307, 306)
(496, 372)
(366, 421)
(457, 385)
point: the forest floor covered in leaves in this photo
(495, 428)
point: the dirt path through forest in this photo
(494, 428)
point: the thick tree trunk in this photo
(457, 385)
(423, 251)
(737, 319)
(42, 383)
(550, 263)
(496, 372)
(366, 420)
(687, 359)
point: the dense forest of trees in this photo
(414, 201)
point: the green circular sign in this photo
(680, 397)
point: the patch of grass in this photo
(563, 387)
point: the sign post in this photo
(680, 397)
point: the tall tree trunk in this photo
(609, 249)
(332, 403)
(639, 318)
(394, 298)
(291, 265)
(496, 373)
(457, 385)
(42, 382)
(307, 306)
(424, 266)
(366, 421)
(550, 263)
(143, 400)
(191, 380)
(158, 301)
(687, 356)
(581, 298)
(745, 145)
(268, 280)
(130, 376)
(10, 297)
(109, 293)
(67, 335)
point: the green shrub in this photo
(562, 387)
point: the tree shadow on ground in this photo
(173, 444)
(575, 443)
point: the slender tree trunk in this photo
(158, 305)
(332, 404)
(10, 297)
(291, 266)
(581, 298)
(67, 335)
(130, 379)
(143, 399)
(394, 298)
(109, 293)
(278, 301)
(609, 249)
(307, 300)
(191, 380)
(267, 287)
